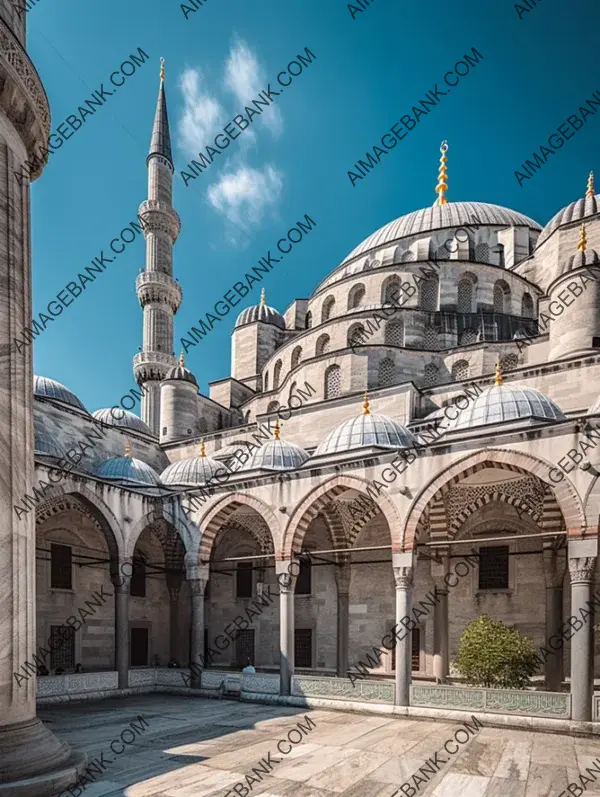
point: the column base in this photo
(34, 762)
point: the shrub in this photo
(493, 655)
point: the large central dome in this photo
(439, 217)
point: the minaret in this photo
(158, 293)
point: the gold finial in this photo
(277, 431)
(582, 245)
(590, 186)
(263, 300)
(202, 449)
(127, 448)
(498, 377)
(162, 68)
(181, 360)
(442, 185)
(365, 406)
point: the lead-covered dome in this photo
(439, 217)
(51, 389)
(579, 210)
(181, 372)
(127, 421)
(129, 470)
(502, 403)
(277, 454)
(192, 471)
(260, 312)
(44, 442)
(366, 430)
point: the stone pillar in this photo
(554, 575)
(32, 759)
(287, 585)
(174, 587)
(198, 579)
(439, 572)
(342, 580)
(121, 584)
(403, 576)
(582, 567)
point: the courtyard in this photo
(173, 746)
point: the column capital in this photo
(403, 566)
(287, 571)
(582, 570)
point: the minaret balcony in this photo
(158, 216)
(149, 365)
(156, 287)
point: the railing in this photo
(556, 705)
(154, 357)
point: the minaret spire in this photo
(442, 185)
(158, 293)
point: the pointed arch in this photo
(566, 496)
(317, 501)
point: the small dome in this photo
(503, 403)
(576, 211)
(128, 469)
(181, 372)
(277, 455)
(366, 430)
(192, 471)
(581, 260)
(260, 312)
(128, 421)
(51, 389)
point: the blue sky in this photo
(369, 71)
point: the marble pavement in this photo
(201, 748)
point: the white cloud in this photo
(245, 78)
(202, 114)
(244, 196)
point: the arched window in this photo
(430, 339)
(460, 371)
(431, 374)
(356, 296)
(387, 372)
(467, 337)
(527, 306)
(482, 253)
(428, 294)
(509, 362)
(327, 309)
(394, 333)
(202, 426)
(464, 300)
(356, 336)
(277, 374)
(266, 382)
(273, 406)
(296, 356)
(333, 381)
(407, 257)
(308, 320)
(501, 297)
(322, 346)
(442, 253)
(391, 291)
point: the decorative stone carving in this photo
(157, 217)
(341, 688)
(496, 701)
(197, 586)
(582, 570)
(403, 576)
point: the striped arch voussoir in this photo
(474, 506)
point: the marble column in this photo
(403, 577)
(554, 575)
(198, 579)
(32, 760)
(582, 568)
(174, 587)
(342, 580)
(287, 573)
(122, 583)
(439, 573)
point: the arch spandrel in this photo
(317, 500)
(169, 522)
(564, 492)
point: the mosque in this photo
(476, 434)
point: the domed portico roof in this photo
(277, 454)
(130, 470)
(122, 418)
(366, 430)
(260, 312)
(51, 389)
(578, 210)
(192, 471)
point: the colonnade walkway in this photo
(174, 746)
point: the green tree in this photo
(493, 655)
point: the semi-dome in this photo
(277, 454)
(501, 403)
(128, 469)
(44, 442)
(439, 217)
(260, 312)
(51, 389)
(128, 421)
(366, 430)
(583, 207)
(181, 372)
(192, 471)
